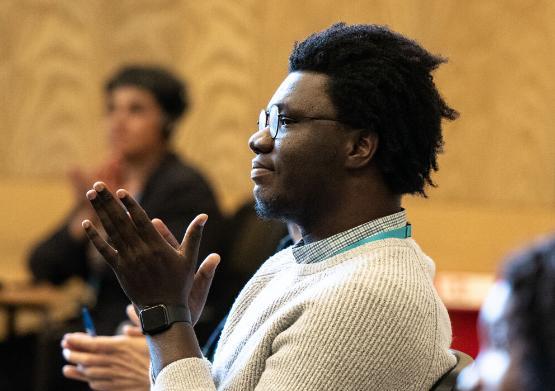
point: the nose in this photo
(261, 141)
(116, 118)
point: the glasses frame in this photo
(274, 120)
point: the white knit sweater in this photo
(366, 319)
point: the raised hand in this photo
(150, 270)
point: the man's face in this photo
(297, 174)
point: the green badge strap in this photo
(398, 233)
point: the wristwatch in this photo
(160, 317)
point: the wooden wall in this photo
(497, 179)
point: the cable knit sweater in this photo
(365, 319)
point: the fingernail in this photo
(86, 224)
(66, 353)
(91, 195)
(121, 193)
(98, 186)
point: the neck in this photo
(138, 168)
(348, 212)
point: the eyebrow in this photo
(285, 110)
(281, 106)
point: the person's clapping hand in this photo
(81, 180)
(151, 266)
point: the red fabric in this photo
(465, 335)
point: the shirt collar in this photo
(322, 249)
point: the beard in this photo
(285, 207)
(268, 209)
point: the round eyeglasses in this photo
(274, 120)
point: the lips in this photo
(260, 169)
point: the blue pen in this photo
(88, 322)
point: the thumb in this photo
(201, 285)
(132, 315)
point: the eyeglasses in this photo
(275, 120)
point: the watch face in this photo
(154, 319)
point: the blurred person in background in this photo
(517, 326)
(143, 107)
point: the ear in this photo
(362, 148)
(167, 127)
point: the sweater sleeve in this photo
(189, 374)
(59, 257)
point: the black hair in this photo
(169, 91)
(531, 314)
(381, 81)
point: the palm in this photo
(150, 264)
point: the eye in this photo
(287, 120)
(136, 108)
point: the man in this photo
(354, 126)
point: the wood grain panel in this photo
(55, 55)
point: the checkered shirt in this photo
(322, 249)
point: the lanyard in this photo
(398, 233)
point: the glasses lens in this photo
(274, 121)
(262, 120)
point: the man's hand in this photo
(108, 363)
(148, 266)
(152, 268)
(203, 276)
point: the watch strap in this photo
(178, 313)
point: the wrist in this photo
(176, 343)
(160, 317)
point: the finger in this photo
(86, 359)
(132, 315)
(191, 241)
(107, 251)
(71, 372)
(98, 373)
(105, 219)
(132, 331)
(165, 232)
(115, 221)
(81, 342)
(66, 337)
(102, 385)
(141, 220)
(201, 284)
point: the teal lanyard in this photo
(398, 233)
